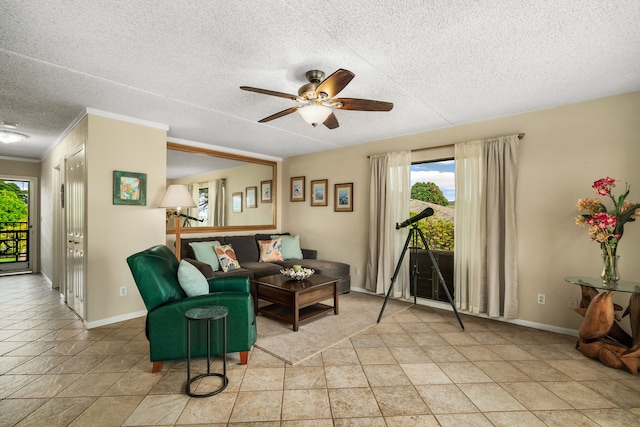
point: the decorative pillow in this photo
(290, 246)
(191, 280)
(227, 257)
(204, 252)
(270, 250)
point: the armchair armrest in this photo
(229, 283)
(309, 253)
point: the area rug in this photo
(357, 311)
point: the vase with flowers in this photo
(606, 226)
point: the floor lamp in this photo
(177, 197)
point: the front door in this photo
(74, 215)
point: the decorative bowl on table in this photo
(297, 274)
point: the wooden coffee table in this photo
(294, 301)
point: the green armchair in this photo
(155, 271)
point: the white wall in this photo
(564, 151)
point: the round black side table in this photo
(207, 314)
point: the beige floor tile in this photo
(415, 327)
(412, 421)
(425, 373)
(534, 396)
(490, 397)
(260, 359)
(388, 327)
(401, 339)
(444, 353)
(23, 348)
(385, 375)
(612, 417)
(117, 363)
(616, 392)
(443, 328)
(446, 399)
(579, 370)
(427, 338)
(103, 348)
(133, 384)
(172, 382)
(514, 419)
(90, 385)
(256, 379)
(8, 363)
(488, 337)
(57, 412)
(10, 383)
(565, 418)
(325, 422)
(511, 352)
(305, 404)
(400, 400)
(211, 410)
(345, 343)
(107, 411)
(162, 409)
(39, 365)
(458, 338)
(409, 355)
(502, 371)
(578, 395)
(360, 422)
(427, 315)
(464, 420)
(315, 360)
(353, 402)
(539, 370)
(340, 356)
(375, 356)
(304, 377)
(464, 372)
(46, 386)
(68, 348)
(78, 365)
(366, 340)
(345, 376)
(14, 410)
(477, 353)
(256, 406)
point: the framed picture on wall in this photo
(236, 202)
(129, 188)
(344, 197)
(252, 193)
(265, 191)
(297, 189)
(319, 192)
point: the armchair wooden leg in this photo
(156, 367)
(244, 357)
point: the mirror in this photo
(233, 192)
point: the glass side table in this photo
(207, 314)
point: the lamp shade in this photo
(314, 114)
(177, 197)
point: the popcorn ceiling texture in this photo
(180, 63)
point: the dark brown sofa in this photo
(248, 254)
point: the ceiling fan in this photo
(316, 99)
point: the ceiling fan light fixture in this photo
(314, 114)
(9, 137)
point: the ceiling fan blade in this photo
(363, 104)
(269, 92)
(280, 114)
(331, 122)
(333, 84)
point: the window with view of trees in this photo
(14, 217)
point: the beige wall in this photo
(19, 168)
(564, 151)
(113, 231)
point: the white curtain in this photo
(389, 195)
(485, 267)
(194, 189)
(217, 200)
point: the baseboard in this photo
(115, 319)
(446, 306)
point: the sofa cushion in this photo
(204, 252)
(261, 269)
(290, 246)
(227, 257)
(191, 280)
(270, 250)
(246, 247)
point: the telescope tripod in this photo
(414, 233)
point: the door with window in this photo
(433, 185)
(16, 211)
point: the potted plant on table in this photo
(607, 226)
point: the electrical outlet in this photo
(123, 291)
(541, 298)
(572, 303)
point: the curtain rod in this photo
(520, 136)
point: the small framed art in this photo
(129, 188)
(236, 202)
(297, 189)
(344, 197)
(265, 191)
(252, 194)
(319, 192)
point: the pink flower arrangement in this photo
(607, 226)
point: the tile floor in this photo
(415, 369)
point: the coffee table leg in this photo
(296, 312)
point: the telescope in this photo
(425, 213)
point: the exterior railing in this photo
(14, 241)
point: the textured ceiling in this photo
(181, 62)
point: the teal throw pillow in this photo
(191, 280)
(290, 246)
(204, 252)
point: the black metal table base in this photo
(223, 375)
